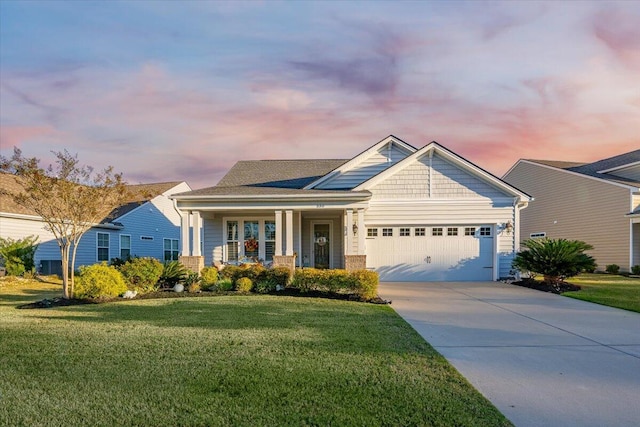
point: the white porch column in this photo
(184, 232)
(278, 248)
(289, 225)
(196, 224)
(349, 225)
(362, 233)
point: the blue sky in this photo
(168, 90)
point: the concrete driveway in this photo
(541, 359)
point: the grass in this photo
(228, 360)
(607, 289)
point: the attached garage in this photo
(431, 253)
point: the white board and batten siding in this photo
(434, 193)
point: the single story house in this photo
(597, 202)
(409, 214)
(148, 225)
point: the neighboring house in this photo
(409, 214)
(597, 202)
(148, 225)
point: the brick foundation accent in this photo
(193, 263)
(285, 261)
(355, 262)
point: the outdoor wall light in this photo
(355, 229)
(508, 227)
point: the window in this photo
(538, 235)
(232, 240)
(421, 231)
(387, 232)
(469, 231)
(405, 232)
(452, 231)
(372, 232)
(269, 240)
(485, 231)
(170, 249)
(103, 246)
(125, 246)
(146, 238)
(436, 231)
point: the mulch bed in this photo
(546, 287)
(62, 302)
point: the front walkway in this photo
(542, 359)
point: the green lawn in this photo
(608, 289)
(228, 360)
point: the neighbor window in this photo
(420, 231)
(405, 232)
(170, 249)
(452, 231)
(485, 231)
(469, 231)
(387, 232)
(372, 232)
(125, 246)
(538, 235)
(436, 231)
(103, 246)
(146, 237)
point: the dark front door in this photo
(321, 245)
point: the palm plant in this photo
(555, 259)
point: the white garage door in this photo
(431, 253)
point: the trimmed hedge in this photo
(208, 277)
(363, 283)
(265, 279)
(99, 281)
(244, 285)
(142, 274)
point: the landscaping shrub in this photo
(142, 274)
(635, 270)
(244, 285)
(270, 279)
(265, 287)
(192, 282)
(208, 277)
(224, 285)
(255, 272)
(612, 269)
(99, 281)
(173, 273)
(193, 287)
(363, 283)
(17, 255)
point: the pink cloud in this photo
(17, 136)
(619, 30)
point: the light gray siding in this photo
(636, 244)
(19, 228)
(370, 167)
(570, 206)
(213, 240)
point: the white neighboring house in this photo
(146, 226)
(410, 214)
(597, 202)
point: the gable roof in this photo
(470, 167)
(364, 155)
(139, 194)
(602, 169)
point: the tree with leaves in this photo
(69, 197)
(555, 259)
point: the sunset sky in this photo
(168, 90)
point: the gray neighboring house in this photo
(148, 225)
(407, 213)
(597, 202)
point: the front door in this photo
(321, 245)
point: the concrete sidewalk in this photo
(541, 359)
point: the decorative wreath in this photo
(251, 245)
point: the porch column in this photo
(184, 233)
(278, 248)
(361, 232)
(349, 226)
(289, 225)
(195, 224)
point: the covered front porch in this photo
(318, 237)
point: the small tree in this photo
(69, 198)
(555, 259)
(17, 255)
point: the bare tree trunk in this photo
(64, 250)
(72, 272)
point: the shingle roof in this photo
(277, 173)
(138, 194)
(591, 169)
(258, 190)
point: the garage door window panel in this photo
(387, 232)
